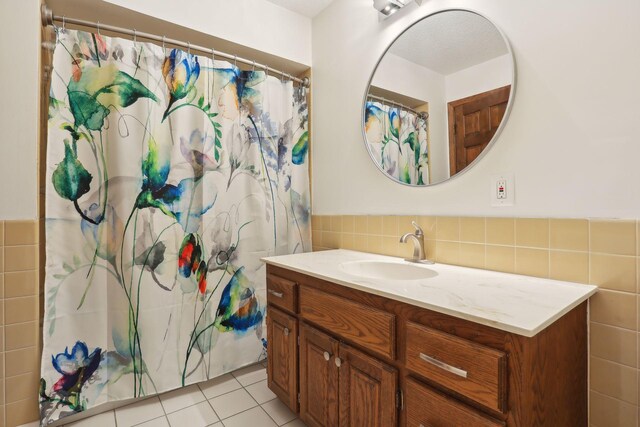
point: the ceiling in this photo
(309, 8)
(450, 41)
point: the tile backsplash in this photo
(19, 321)
(601, 252)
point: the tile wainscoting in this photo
(19, 321)
(601, 252)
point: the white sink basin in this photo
(387, 270)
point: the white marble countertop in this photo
(519, 304)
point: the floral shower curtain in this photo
(397, 140)
(169, 176)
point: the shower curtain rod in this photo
(48, 19)
(403, 107)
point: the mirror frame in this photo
(505, 118)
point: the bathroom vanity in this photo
(358, 339)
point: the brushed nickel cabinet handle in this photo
(338, 362)
(276, 294)
(459, 372)
(327, 356)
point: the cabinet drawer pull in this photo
(327, 356)
(276, 294)
(338, 362)
(286, 332)
(460, 372)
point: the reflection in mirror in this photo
(389, 126)
(438, 97)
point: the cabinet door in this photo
(282, 356)
(368, 390)
(318, 378)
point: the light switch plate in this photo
(502, 190)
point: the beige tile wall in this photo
(19, 330)
(602, 252)
(606, 253)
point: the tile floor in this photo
(239, 399)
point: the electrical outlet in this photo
(502, 190)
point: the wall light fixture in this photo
(389, 7)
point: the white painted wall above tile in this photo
(257, 24)
(19, 62)
(572, 137)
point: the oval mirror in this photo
(438, 98)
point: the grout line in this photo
(212, 408)
(151, 419)
(269, 415)
(613, 398)
(21, 244)
(612, 326)
(615, 363)
(162, 405)
(600, 289)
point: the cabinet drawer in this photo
(468, 368)
(282, 293)
(369, 327)
(427, 408)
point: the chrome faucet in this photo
(418, 245)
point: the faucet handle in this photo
(419, 231)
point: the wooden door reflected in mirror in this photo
(473, 121)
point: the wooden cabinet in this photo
(341, 386)
(428, 408)
(318, 378)
(367, 361)
(282, 356)
(371, 328)
(476, 371)
(282, 293)
(368, 390)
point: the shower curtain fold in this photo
(397, 141)
(169, 175)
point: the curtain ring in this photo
(64, 23)
(253, 67)
(135, 36)
(235, 61)
(213, 58)
(189, 48)
(164, 49)
(282, 77)
(98, 26)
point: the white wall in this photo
(19, 85)
(257, 24)
(407, 78)
(571, 140)
(479, 78)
